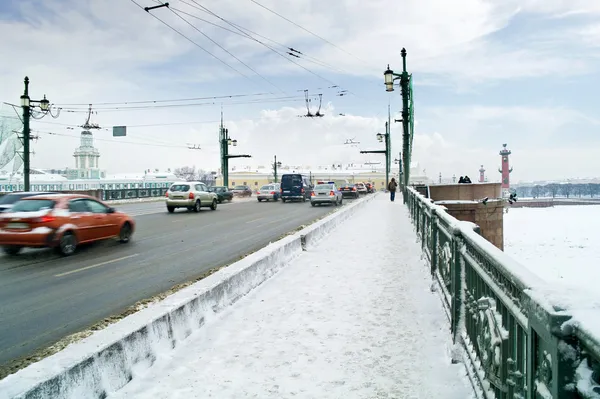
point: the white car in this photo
(361, 188)
(326, 193)
(193, 195)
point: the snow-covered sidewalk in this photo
(351, 318)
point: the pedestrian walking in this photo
(392, 185)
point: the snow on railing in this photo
(518, 336)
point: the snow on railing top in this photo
(583, 306)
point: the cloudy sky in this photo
(526, 73)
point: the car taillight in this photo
(353, 188)
(272, 192)
(331, 193)
(257, 192)
(191, 196)
(312, 194)
(167, 194)
(45, 219)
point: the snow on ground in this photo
(560, 244)
(352, 318)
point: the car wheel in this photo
(313, 204)
(213, 206)
(125, 233)
(259, 200)
(67, 244)
(171, 209)
(12, 250)
(197, 206)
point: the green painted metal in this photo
(512, 338)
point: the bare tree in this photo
(187, 173)
(566, 189)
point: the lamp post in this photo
(407, 113)
(29, 110)
(275, 166)
(398, 161)
(383, 137)
(225, 141)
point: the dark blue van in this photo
(295, 187)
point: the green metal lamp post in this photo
(225, 142)
(407, 115)
(29, 106)
(398, 161)
(383, 137)
(275, 166)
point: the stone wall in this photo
(489, 217)
(465, 192)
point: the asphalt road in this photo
(44, 297)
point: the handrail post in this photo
(434, 241)
(456, 284)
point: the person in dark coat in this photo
(392, 186)
(467, 180)
(461, 180)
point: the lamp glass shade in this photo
(388, 76)
(25, 101)
(379, 136)
(389, 86)
(229, 141)
(44, 104)
(234, 143)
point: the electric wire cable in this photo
(263, 43)
(193, 42)
(227, 51)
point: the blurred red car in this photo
(61, 221)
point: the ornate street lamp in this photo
(36, 109)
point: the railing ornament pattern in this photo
(517, 339)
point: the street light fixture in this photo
(389, 78)
(234, 143)
(380, 137)
(29, 110)
(407, 114)
(225, 142)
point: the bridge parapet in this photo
(518, 336)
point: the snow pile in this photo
(351, 318)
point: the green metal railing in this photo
(510, 328)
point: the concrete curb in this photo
(107, 360)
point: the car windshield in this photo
(180, 187)
(239, 187)
(324, 187)
(267, 188)
(11, 198)
(360, 185)
(33, 205)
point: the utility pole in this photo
(404, 82)
(275, 166)
(407, 115)
(28, 106)
(25, 102)
(386, 139)
(225, 141)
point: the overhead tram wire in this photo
(172, 101)
(116, 141)
(227, 51)
(308, 31)
(143, 107)
(262, 43)
(305, 57)
(193, 42)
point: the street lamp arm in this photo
(239, 156)
(374, 152)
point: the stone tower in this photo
(481, 174)
(86, 155)
(505, 169)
